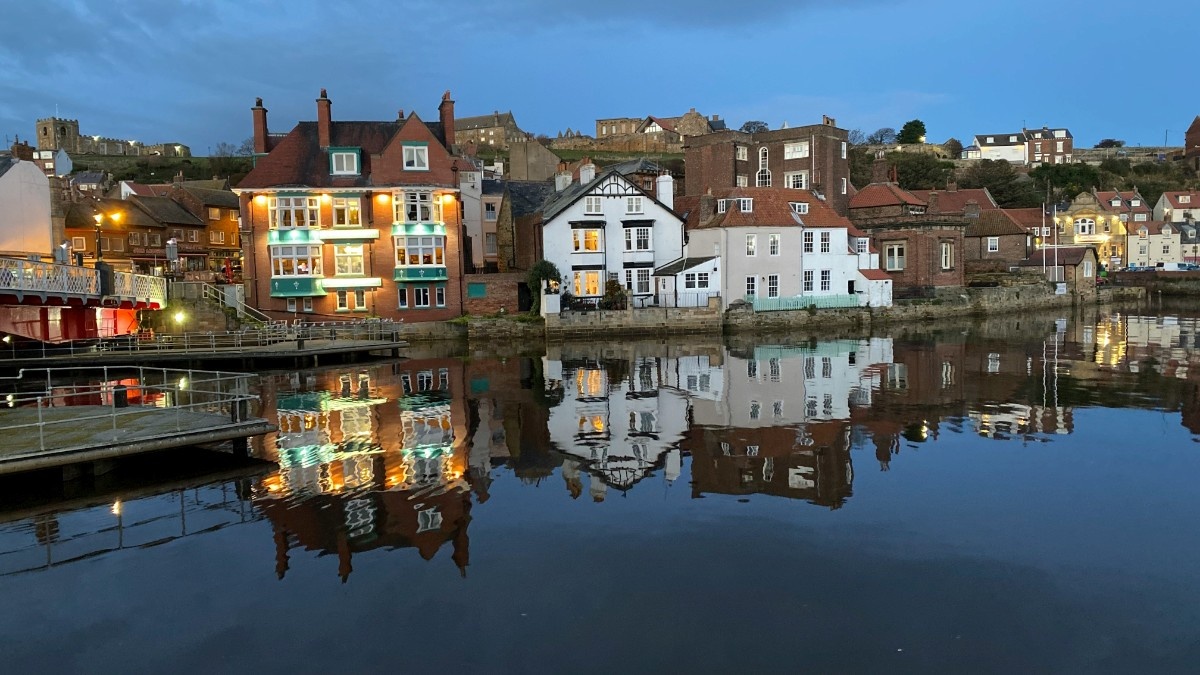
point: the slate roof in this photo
(81, 215)
(1000, 139)
(88, 178)
(681, 265)
(1072, 255)
(298, 161)
(955, 201)
(995, 223)
(6, 163)
(527, 196)
(771, 208)
(1153, 227)
(166, 211)
(222, 198)
(884, 194)
(640, 165)
(561, 200)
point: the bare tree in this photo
(883, 136)
(856, 137)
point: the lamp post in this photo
(115, 218)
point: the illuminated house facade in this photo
(355, 218)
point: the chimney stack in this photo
(400, 115)
(324, 119)
(446, 115)
(879, 169)
(260, 127)
(665, 189)
(587, 171)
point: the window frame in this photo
(349, 161)
(751, 245)
(403, 247)
(895, 256)
(345, 210)
(993, 244)
(419, 158)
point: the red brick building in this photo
(810, 157)
(354, 218)
(993, 242)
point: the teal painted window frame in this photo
(357, 152)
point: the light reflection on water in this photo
(421, 453)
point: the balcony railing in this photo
(39, 278)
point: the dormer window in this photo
(1185, 199)
(1115, 202)
(1135, 202)
(916, 210)
(799, 207)
(343, 162)
(721, 205)
(745, 205)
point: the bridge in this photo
(52, 302)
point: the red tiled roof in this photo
(1105, 198)
(883, 194)
(1030, 218)
(994, 223)
(875, 275)
(1152, 227)
(664, 122)
(771, 208)
(955, 201)
(1192, 203)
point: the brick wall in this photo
(1012, 249)
(492, 292)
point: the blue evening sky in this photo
(189, 70)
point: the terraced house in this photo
(354, 218)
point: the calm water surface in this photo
(1017, 495)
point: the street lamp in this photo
(115, 218)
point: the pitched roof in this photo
(1193, 201)
(81, 215)
(527, 196)
(492, 186)
(883, 194)
(955, 201)
(223, 198)
(298, 160)
(667, 123)
(874, 274)
(640, 165)
(770, 207)
(995, 223)
(7, 163)
(166, 211)
(1000, 139)
(88, 177)
(138, 188)
(1067, 255)
(1106, 197)
(1029, 218)
(681, 265)
(1153, 227)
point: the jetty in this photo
(54, 417)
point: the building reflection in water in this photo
(370, 465)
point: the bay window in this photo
(637, 239)
(285, 212)
(588, 241)
(638, 281)
(295, 260)
(427, 251)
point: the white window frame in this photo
(751, 245)
(807, 242)
(633, 205)
(808, 281)
(348, 162)
(826, 280)
(490, 243)
(489, 211)
(844, 188)
(638, 280)
(349, 260)
(291, 304)
(745, 205)
(800, 208)
(895, 256)
(795, 150)
(947, 249)
(722, 205)
(773, 244)
(743, 153)
(741, 180)
(826, 242)
(796, 180)
(416, 206)
(416, 158)
(638, 239)
(347, 212)
(844, 150)
(580, 240)
(429, 251)
(993, 244)
(291, 212)
(581, 283)
(214, 213)
(439, 296)
(421, 297)
(752, 286)
(287, 259)
(306, 304)
(592, 205)
(402, 298)
(773, 286)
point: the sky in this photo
(189, 70)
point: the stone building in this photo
(1191, 145)
(497, 130)
(54, 133)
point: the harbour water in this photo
(1012, 495)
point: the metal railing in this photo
(121, 392)
(39, 278)
(196, 342)
(762, 304)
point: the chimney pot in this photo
(324, 120)
(259, 114)
(446, 116)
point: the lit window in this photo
(587, 283)
(416, 207)
(348, 259)
(295, 260)
(293, 212)
(347, 212)
(796, 180)
(420, 251)
(214, 214)
(588, 241)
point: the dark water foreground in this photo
(1014, 496)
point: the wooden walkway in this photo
(55, 441)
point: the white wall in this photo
(25, 210)
(1014, 154)
(666, 234)
(471, 185)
